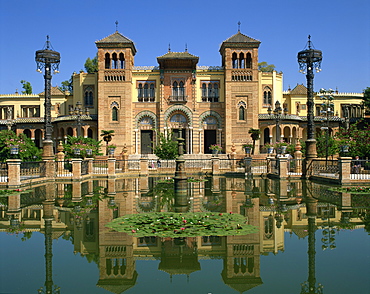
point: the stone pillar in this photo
(76, 192)
(298, 156)
(49, 168)
(76, 168)
(232, 157)
(283, 167)
(144, 167)
(344, 169)
(111, 167)
(60, 158)
(125, 162)
(215, 165)
(14, 172)
(47, 147)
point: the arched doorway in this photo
(146, 126)
(210, 133)
(179, 127)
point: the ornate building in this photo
(207, 104)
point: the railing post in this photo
(248, 166)
(233, 162)
(90, 166)
(344, 169)
(49, 170)
(298, 161)
(269, 164)
(283, 167)
(215, 165)
(76, 168)
(144, 167)
(125, 162)
(14, 172)
(111, 167)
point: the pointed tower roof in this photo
(239, 40)
(116, 40)
(299, 90)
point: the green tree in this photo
(255, 135)
(27, 150)
(265, 67)
(366, 100)
(91, 65)
(107, 137)
(67, 85)
(27, 87)
(323, 139)
(166, 147)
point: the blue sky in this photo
(341, 29)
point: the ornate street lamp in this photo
(277, 115)
(327, 106)
(310, 60)
(47, 60)
(78, 112)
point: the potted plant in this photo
(111, 149)
(216, 148)
(107, 137)
(247, 148)
(281, 147)
(269, 147)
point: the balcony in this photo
(178, 98)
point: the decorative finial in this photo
(309, 41)
(47, 42)
(169, 47)
(239, 23)
(186, 47)
(116, 25)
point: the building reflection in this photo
(79, 211)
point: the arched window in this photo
(210, 91)
(234, 60)
(89, 96)
(175, 89)
(248, 63)
(114, 61)
(181, 90)
(121, 61)
(152, 93)
(107, 61)
(267, 97)
(146, 94)
(241, 60)
(114, 113)
(241, 108)
(140, 93)
(204, 92)
(215, 91)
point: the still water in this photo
(54, 236)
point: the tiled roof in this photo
(115, 38)
(283, 116)
(240, 38)
(299, 90)
(54, 91)
(178, 55)
(320, 118)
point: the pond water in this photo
(54, 236)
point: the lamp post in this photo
(327, 106)
(78, 112)
(310, 60)
(47, 60)
(277, 115)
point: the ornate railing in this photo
(32, 169)
(63, 169)
(3, 172)
(100, 167)
(325, 168)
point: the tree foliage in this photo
(265, 67)
(27, 87)
(357, 137)
(67, 85)
(255, 135)
(323, 139)
(91, 65)
(27, 148)
(366, 99)
(166, 147)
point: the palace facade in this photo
(206, 104)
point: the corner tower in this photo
(240, 61)
(115, 61)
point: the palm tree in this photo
(107, 137)
(255, 135)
